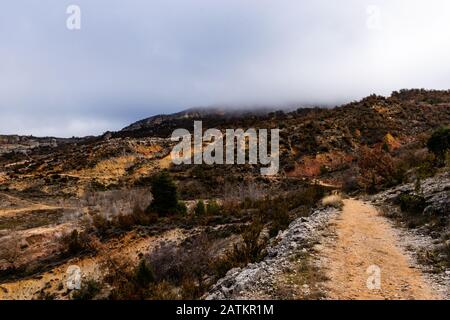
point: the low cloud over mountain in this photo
(130, 61)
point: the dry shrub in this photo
(414, 157)
(304, 197)
(412, 203)
(162, 273)
(378, 169)
(164, 291)
(420, 160)
(120, 273)
(88, 291)
(253, 245)
(77, 242)
(101, 224)
(184, 266)
(164, 262)
(251, 249)
(125, 222)
(275, 210)
(350, 183)
(334, 200)
(137, 217)
(106, 225)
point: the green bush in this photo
(426, 169)
(181, 208)
(126, 221)
(439, 144)
(252, 245)
(446, 251)
(165, 196)
(137, 217)
(200, 209)
(213, 208)
(127, 281)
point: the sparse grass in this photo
(164, 291)
(303, 284)
(200, 209)
(31, 219)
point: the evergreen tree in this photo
(165, 196)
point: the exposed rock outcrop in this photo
(435, 191)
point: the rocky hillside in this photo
(74, 201)
(334, 144)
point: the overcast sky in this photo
(136, 58)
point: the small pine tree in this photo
(439, 144)
(165, 196)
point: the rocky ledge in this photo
(435, 190)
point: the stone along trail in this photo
(363, 239)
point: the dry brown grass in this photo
(108, 169)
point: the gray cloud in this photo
(136, 58)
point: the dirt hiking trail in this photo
(363, 238)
